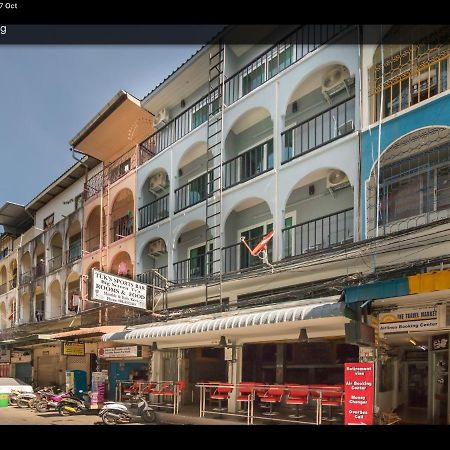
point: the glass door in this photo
(440, 386)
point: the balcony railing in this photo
(39, 270)
(191, 269)
(26, 277)
(93, 186)
(13, 283)
(74, 252)
(324, 232)
(55, 263)
(121, 166)
(3, 288)
(149, 277)
(178, 127)
(154, 212)
(93, 244)
(121, 228)
(248, 165)
(191, 193)
(329, 125)
(291, 49)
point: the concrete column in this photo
(234, 374)
(279, 371)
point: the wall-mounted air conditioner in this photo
(161, 118)
(345, 128)
(335, 81)
(158, 182)
(157, 247)
(337, 179)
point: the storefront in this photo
(5, 363)
(21, 365)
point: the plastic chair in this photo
(133, 389)
(272, 395)
(297, 395)
(220, 393)
(244, 394)
(332, 398)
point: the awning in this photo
(26, 340)
(84, 332)
(380, 289)
(271, 319)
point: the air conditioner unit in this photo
(157, 247)
(337, 179)
(161, 118)
(334, 81)
(157, 182)
(345, 128)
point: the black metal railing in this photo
(174, 130)
(191, 269)
(26, 277)
(93, 185)
(39, 270)
(191, 193)
(324, 232)
(92, 244)
(248, 165)
(289, 50)
(74, 252)
(3, 288)
(149, 277)
(329, 125)
(153, 212)
(121, 166)
(121, 228)
(13, 283)
(55, 263)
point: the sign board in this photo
(411, 319)
(5, 356)
(439, 342)
(73, 348)
(20, 356)
(359, 391)
(119, 352)
(97, 389)
(118, 290)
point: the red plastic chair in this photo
(297, 395)
(133, 389)
(220, 393)
(245, 392)
(332, 398)
(273, 395)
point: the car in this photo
(13, 384)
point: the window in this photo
(282, 59)
(49, 221)
(197, 262)
(78, 201)
(289, 235)
(253, 79)
(253, 236)
(119, 170)
(199, 114)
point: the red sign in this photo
(359, 388)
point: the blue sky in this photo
(48, 93)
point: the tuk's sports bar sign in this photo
(359, 389)
(118, 290)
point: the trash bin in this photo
(3, 399)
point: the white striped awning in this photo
(248, 319)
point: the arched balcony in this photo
(3, 280)
(155, 198)
(26, 274)
(248, 150)
(122, 265)
(40, 312)
(73, 293)
(318, 213)
(3, 316)
(321, 109)
(154, 261)
(56, 249)
(252, 219)
(122, 216)
(39, 260)
(191, 186)
(13, 274)
(74, 242)
(55, 300)
(93, 231)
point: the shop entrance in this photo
(417, 386)
(126, 371)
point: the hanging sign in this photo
(359, 390)
(439, 342)
(73, 348)
(119, 352)
(121, 291)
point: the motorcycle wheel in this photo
(13, 401)
(149, 416)
(41, 406)
(22, 403)
(63, 412)
(109, 419)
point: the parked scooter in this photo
(26, 399)
(50, 401)
(74, 404)
(120, 412)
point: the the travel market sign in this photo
(120, 291)
(412, 319)
(359, 390)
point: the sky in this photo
(48, 94)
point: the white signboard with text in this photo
(118, 290)
(118, 352)
(412, 319)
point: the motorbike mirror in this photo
(80, 391)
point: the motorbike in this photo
(137, 408)
(74, 404)
(49, 401)
(26, 399)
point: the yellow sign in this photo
(73, 349)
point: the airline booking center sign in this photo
(359, 393)
(118, 290)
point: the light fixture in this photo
(154, 346)
(303, 336)
(223, 341)
(413, 342)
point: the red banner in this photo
(359, 389)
